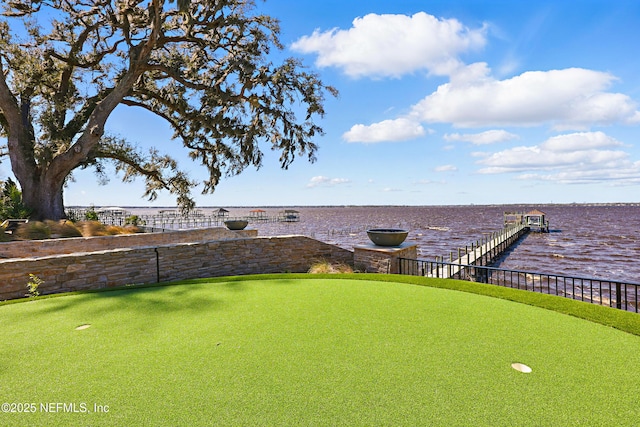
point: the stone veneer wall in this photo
(38, 248)
(158, 263)
(380, 259)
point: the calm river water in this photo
(585, 240)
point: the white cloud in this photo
(482, 138)
(572, 98)
(446, 168)
(625, 173)
(580, 141)
(584, 157)
(388, 130)
(326, 181)
(393, 45)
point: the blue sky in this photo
(443, 103)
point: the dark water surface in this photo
(585, 240)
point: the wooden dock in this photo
(482, 252)
(206, 221)
(173, 219)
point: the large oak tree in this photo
(203, 66)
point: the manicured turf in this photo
(288, 350)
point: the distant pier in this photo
(174, 219)
(535, 220)
(217, 219)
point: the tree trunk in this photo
(44, 196)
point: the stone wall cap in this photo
(385, 249)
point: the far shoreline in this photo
(488, 205)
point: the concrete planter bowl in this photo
(387, 236)
(236, 224)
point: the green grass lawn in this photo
(314, 350)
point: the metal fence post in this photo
(618, 296)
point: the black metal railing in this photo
(611, 293)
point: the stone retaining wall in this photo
(380, 259)
(158, 263)
(39, 248)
